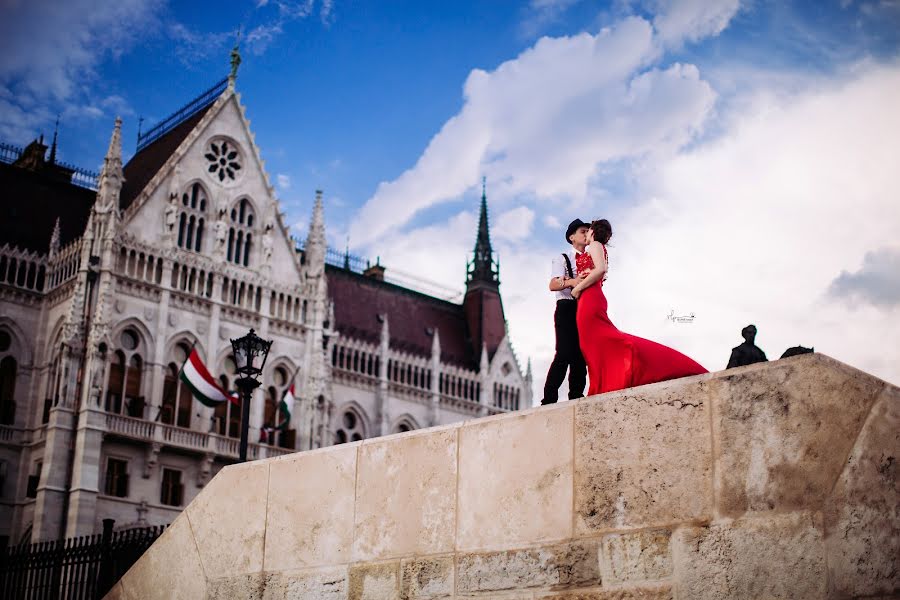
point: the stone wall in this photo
(777, 480)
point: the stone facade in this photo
(673, 490)
(186, 247)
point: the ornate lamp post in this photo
(250, 353)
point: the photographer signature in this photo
(688, 318)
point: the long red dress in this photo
(617, 360)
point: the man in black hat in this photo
(747, 353)
(568, 353)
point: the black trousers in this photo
(568, 355)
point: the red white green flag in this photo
(286, 407)
(204, 387)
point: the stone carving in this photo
(747, 353)
(267, 243)
(171, 215)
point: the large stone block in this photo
(643, 457)
(560, 565)
(515, 480)
(635, 556)
(375, 581)
(320, 584)
(653, 592)
(228, 519)
(169, 569)
(310, 517)
(862, 518)
(430, 577)
(784, 430)
(406, 496)
(771, 557)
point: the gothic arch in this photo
(55, 340)
(405, 420)
(282, 361)
(135, 323)
(353, 408)
(20, 346)
(184, 336)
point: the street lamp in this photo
(250, 354)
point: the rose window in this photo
(224, 160)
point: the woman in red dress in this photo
(616, 360)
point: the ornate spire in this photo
(235, 63)
(111, 176)
(483, 267)
(315, 240)
(53, 146)
(54, 238)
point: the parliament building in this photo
(107, 283)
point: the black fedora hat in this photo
(573, 227)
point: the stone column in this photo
(51, 491)
(159, 350)
(382, 418)
(434, 407)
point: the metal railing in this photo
(80, 177)
(78, 568)
(180, 115)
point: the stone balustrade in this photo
(186, 439)
(774, 481)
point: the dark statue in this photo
(794, 351)
(747, 353)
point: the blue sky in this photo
(728, 118)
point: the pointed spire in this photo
(54, 238)
(483, 367)
(235, 62)
(436, 344)
(483, 267)
(347, 255)
(53, 146)
(528, 374)
(314, 249)
(111, 177)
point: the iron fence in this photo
(81, 568)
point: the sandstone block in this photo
(310, 517)
(116, 593)
(250, 586)
(661, 592)
(862, 517)
(375, 581)
(643, 457)
(641, 555)
(560, 565)
(406, 496)
(175, 555)
(771, 557)
(228, 519)
(430, 577)
(784, 430)
(320, 584)
(515, 480)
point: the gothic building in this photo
(107, 284)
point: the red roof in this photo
(147, 163)
(358, 300)
(32, 201)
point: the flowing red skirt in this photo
(617, 360)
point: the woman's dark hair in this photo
(602, 230)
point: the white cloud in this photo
(677, 21)
(513, 225)
(542, 123)
(552, 222)
(284, 181)
(877, 282)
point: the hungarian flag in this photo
(285, 408)
(204, 387)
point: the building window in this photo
(116, 483)
(34, 480)
(123, 385)
(192, 220)
(351, 429)
(227, 415)
(240, 235)
(223, 160)
(172, 490)
(8, 390)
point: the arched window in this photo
(126, 370)
(280, 382)
(192, 221)
(177, 400)
(351, 429)
(240, 236)
(7, 389)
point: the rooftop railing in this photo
(181, 115)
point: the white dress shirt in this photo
(558, 269)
